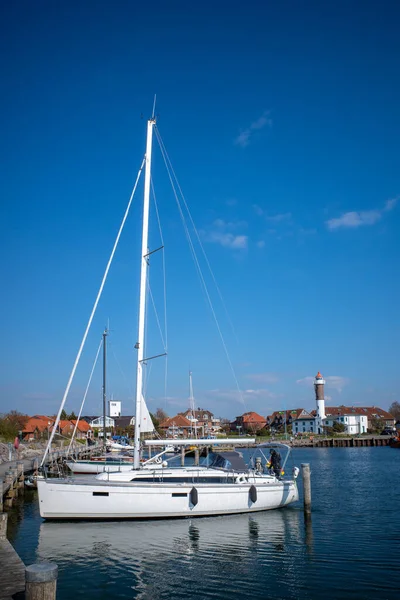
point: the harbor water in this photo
(349, 550)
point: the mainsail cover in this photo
(146, 424)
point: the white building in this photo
(354, 424)
(98, 423)
(304, 423)
(115, 408)
(353, 421)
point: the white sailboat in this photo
(226, 486)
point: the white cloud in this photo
(243, 395)
(258, 210)
(279, 217)
(334, 382)
(263, 377)
(390, 204)
(308, 381)
(260, 244)
(354, 219)
(243, 139)
(228, 240)
(221, 233)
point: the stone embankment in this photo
(25, 451)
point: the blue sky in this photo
(282, 124)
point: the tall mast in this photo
(142, 294)
(191, 400)
(105, 333)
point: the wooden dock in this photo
(12, 473)
(12, 572)
(352, 442)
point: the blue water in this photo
(350, 550)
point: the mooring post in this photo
(1, 495)
(3, 526)
(14, 471)
(150, 452)
(20, 467)
(35, 466)
(10, 492)
(306, 473)
(41, 581)
(183, 456)
(196, 457)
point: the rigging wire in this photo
(196, 261)
(99, 293)
(128, 384)
(160, 140)
(164, 292)
(85, 394)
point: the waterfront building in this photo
(249, 422)
(37, 427)
(203, 420)
(178, 426)
(124, 424)
(356, 419)
(83, 429)
(97, 424)
(304, 423)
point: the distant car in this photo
(388, 431)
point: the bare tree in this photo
(394, 410)
(161, 415)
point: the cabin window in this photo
(100, 493)
(179, 495)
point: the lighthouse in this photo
(319, 384)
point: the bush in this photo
(11, 424)
(338, 427)
(263, 432)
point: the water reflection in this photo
(73, 539)
(136, 549)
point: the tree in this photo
(71, 417)
(338, 427)
(63, 416)
(161, 415)
(376, 425)
(11, 424)
(156, 423)
(394, 410)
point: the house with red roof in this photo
(83, 430)
(178, 426)
(36, 428)
(249, 422)
(299, 419)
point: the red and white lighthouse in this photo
(319, 385)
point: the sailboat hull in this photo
(96, 500)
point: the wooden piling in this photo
(14, 471)
(10, 491)
(21, 478)
(306, 473)
(197, 457)
(183, 456)
(3, 526)
(41, 581)
(1, 494)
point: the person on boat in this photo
(275, 462)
